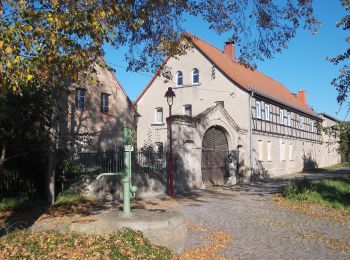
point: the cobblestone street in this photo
(261, 229)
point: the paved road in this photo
(260, 229)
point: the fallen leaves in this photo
(219, 241)
(314, 209)
(52, 245)
(332, 243)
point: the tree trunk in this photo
(2, 158)
(51, 168)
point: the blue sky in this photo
(302, 65)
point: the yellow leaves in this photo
(16, 59)
(8, 50)
(29, 77)
(8, 64)
(14, 88)
(103, 14)
(53, 41)
(1, 44)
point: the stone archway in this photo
(215, 151)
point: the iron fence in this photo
(112, 161)
(16, 183)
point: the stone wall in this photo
(110, 187)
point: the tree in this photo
(342, 81)
(48, 42)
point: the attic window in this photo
(195, 76)
(179, 77)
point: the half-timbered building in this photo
(230, 123)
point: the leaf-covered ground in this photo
(125, 244)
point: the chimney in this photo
(229, 50)
(301, 95)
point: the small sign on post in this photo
(128, 148)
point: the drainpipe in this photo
(250, 134)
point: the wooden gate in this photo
(214, 157)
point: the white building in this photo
(230, 123)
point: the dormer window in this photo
(179, 77)
(195, 76)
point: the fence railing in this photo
(100, 162)
(14, 183)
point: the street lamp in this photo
(170, 100)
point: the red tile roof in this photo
(250, 80)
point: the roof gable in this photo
(248, 79)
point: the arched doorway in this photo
(214, 157)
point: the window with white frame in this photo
(188, 110)
(312, 126)
(179, 77)
(80, 99)
(104, 102)
(267, 112)
(195, 76)
(290, 152)
(159, 115)
(301, 122)
(269, 151)
(289, 119)
(281, 116)
(283, 151)
(258, 109)
(261, 150)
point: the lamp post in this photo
(170, 100)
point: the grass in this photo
(330, 168)
(20, 203)
(334, 193)
(27, 203)
(125, 244)
(69, 199)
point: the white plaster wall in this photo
(200, 97)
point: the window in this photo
(301, 122)
(283, 150)
(220, 103)
(261, 150)
(289, 119)
(269, 151)
(104, 102)
(290, 152)
(312, 127)
(188, 110)
(267, 112)
(179, 78)
(195, 76)
(80, 99)
(159, 150)
(258, 109)
(159, 115)
(281, 116)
